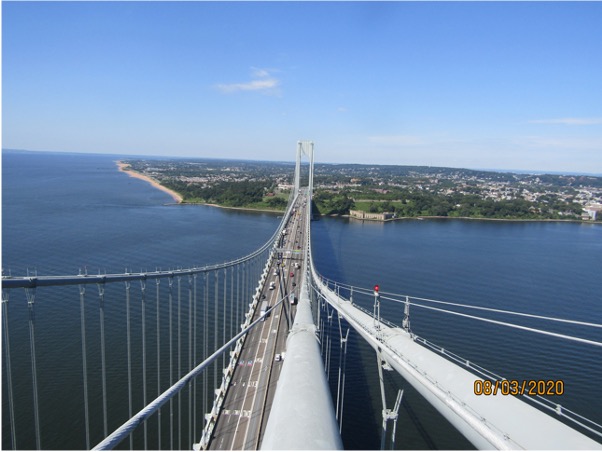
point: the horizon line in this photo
(492, 170)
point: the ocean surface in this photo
(64, 213)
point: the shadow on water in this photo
(360, 424)
(326, 243)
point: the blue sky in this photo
(499, 85)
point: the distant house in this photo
(361, 215)
(591, 211)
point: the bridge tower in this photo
(307, 148)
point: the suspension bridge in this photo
(238, 355)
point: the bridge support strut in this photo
(405, 323)
(342, 366)
(387, 413)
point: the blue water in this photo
(65, 212)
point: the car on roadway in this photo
(278, 357)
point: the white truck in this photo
(264, 308)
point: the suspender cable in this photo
(205, 340)
(143, 315)
(319, 319)
(343, 385)
(101, 297)
(31, 294)
(195, 357)
(232, 302)
(341, 378)
(158, 281)
(321, 326)
(238, 298)
(189, 357)
(340, 370)
(224, 314)
(9, 374)
(245, 283)
(329, 345)
(179, 361)
(243, 291)
(171, 429)
(129, 347)
(215, 312)
(82, 291)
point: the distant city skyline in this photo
(480, 85)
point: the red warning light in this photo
(376, 288)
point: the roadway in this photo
(249, 398)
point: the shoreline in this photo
(426, 217)
(248, 209)
(125, 168)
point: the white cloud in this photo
(263, 82)
(569, 121)
(258, 72)
(254, 85)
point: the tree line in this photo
(229, 194)
(407, 204)
(415, 204)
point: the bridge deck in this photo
(249, 398)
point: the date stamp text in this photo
(519, 387)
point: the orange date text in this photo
(519, 387)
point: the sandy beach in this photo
(125, 168)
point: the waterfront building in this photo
(591, 211)
(361, 215)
